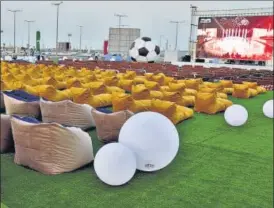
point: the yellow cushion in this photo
(241, 91)
(140, 106)
(111, 81)
(125, 84)
(139, 80)
(154, 94)
(227, 83)
(260, 89)
(165, 108)
(113, 89)
(252, 85)
(228, 91)
(96, 88)
(121, 101)
(151, 85)
(140, 92)
(173, 97)
(181, 113)
(177, 87)
(187, 92)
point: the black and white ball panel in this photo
(146, 39)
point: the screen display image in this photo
(240, 38)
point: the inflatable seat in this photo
(172, 111)
(112, 89)
(67, 113)
(140, 92)
(254, 85)
(176, 97)
(21, 103)
(6, 144)
(139, 80)
(50, 93)
(159, 78)
(96, 88)
(213, 90)
(111, 81)
(125, 84)
(49, 147)
(154, 94)
(108, 126)
(84, 96)
(210, 104)
(151, 85)
(192, 83)
(177, 87)
(243, 91)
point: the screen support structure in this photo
(195, 13)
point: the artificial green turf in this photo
(217, 167)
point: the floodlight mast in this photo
(29, 21)
(177, 26)
(80, 46)
(120, 16)
(14, 25)
(57, 4)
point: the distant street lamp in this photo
(177, 26)
(57, 4)
(29, 21)
(80, 26)
(14, 25)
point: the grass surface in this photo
(217, 167)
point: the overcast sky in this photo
(97, 16)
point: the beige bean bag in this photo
(6, 134)
(67, 113)
(49, 147)
(108, 126)
(21, 107)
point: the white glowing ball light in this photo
(115, 164)
(153, 138)
(268, 109)
(236, 115)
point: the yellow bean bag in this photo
(243, 91)
(111, 81)
(213, 90)
(113, 89)
(88, 78)
(154, 94)
(208, 103)
(139, 80)
(159, 79)
(252, 85)
(192, 83)
(108, 73)
(54, 83)
(121, 101)
(189, 92)
(27, 79)
(151, 85)
(73, 82)
(140, 92)
(177, 87)
(85, 96)
(50, 93)
(165, 108)
(168, 80)
(164, 88)
(228, 91)
(260, 89)
(188, 100)
(96, 88)
(129, 75)
(140, 106)
(227, 83)
(125, 84)
(182, 113)
(149, 76)
(175, 97)
(172, 111)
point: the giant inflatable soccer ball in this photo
(143, 50)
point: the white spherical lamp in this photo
(115, 164)
(268, 109)
(153, 138)
(236, 115)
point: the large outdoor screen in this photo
(241, 38)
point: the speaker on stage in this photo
(187, 58)
(67, 46)
(200, 60)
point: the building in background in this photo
(63, 46)
(120, 39)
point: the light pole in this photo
(177, 26)
(14, 25)
(69, 36)
(120, 16)
(80, 26)
(29, 21)
(57, 4)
